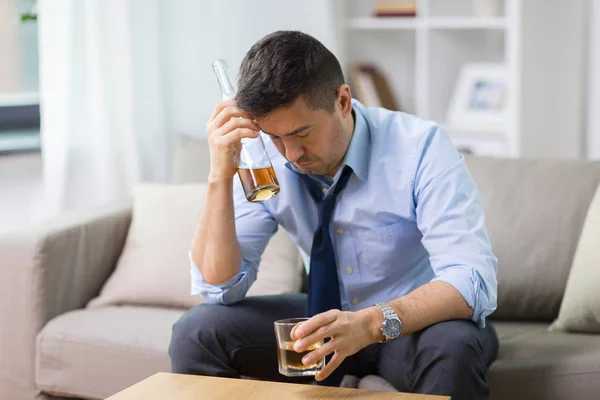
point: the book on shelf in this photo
(395, 9)
(370, 87)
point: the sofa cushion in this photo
(94, 353)
(534, 213)
(534, 364)
(580, 308)
(154, 267)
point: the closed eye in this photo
(302, 134)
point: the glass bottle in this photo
(254, 166)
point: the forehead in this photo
(287, 119)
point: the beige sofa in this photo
(53, 345)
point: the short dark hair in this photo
(283, 66)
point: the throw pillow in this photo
(580, 307)
(154, 268)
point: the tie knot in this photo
(326, 203)
(341, 183)
(316, 191)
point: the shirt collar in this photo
(359, 150)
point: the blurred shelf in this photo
(20, 141)
(384, 23)
(19, 99)
(466, 23)
(423, 58)
(408, 23)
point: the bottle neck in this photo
(220, 68)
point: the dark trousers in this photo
(449, 358)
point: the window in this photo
(19, 100)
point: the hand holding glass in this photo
(290, 361)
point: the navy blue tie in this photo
(323, 280)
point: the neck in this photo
(348, 132)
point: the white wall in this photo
(593, 109)
(198, 32)
(554, 55)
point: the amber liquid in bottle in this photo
(254, 166)
(259, 184)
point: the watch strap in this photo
(388, 313)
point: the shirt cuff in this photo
(228, 292)
(468, 283)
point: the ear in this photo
(344, 100)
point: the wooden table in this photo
(189, 387)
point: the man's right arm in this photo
(215, 250)
(254, 226)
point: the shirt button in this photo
(349, 270)
(340, 230)
(324, 190)
(355, 300)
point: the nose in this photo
(293, 152)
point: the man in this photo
(401, 277)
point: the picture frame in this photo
(479, 99)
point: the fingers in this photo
(230, 125)
(320, 353)
(293, 331)
(235, 136)
(214, 114)
(220, 106)
(234, 130)
(335, 362)
(235, 123)
(224, 112)
(315, 337)
(227, 126)
(314, 323)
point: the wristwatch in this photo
(391, 328)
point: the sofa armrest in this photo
(47, 270)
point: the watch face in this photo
(392, 328)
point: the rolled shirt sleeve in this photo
(451, 220)
(254, 226)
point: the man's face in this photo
(315, 141)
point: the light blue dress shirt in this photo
(410, 214)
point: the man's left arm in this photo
(450, 218)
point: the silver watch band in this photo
(388, 311)
(388, 314)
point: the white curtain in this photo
(104, 124)
(120, 79)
